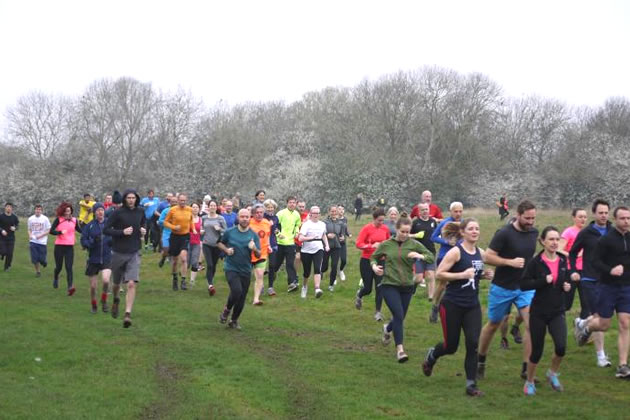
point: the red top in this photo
(195, 239)
(434, 211)
(303, 216)
(369, 235)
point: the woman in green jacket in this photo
(394, 260)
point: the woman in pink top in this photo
(64, 228)
(566, 242)
(195, 244)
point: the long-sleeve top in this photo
(586, 241)
(338, 228)
(6, 221)
(613, 249)
(368, 236)
(69, 226)
(98, 244)
(290, 222)
(211, 235)
(121, 219)
(398, 268)
(275, 227)
(179, 216)
(549, 297)
(436, 237)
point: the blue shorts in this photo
(500, 300)
(612, 298)
(420, 266)
(590, 291)
(166, 239)
(38, 253)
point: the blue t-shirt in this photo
(163, 204)
(230, 219)
(601, 229)
(149, 210)
(241, 260)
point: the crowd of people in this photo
(399, 253)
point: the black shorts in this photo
(178, 244)
(93, 269)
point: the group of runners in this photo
(398, 254)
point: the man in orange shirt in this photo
(180, 221)
(262, 228)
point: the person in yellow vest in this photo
(85, 209)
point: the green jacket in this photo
(398, 270)
(290, 222)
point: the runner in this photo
(434, 210)
(259, 198)
(370, 237)
(334, 231)
(290, 222)
(108, 202)
(567, 239)
(38, 229)
(85, 210)
(150, 203)
(8, 225)
(64, 228)
(301, 208)
(422, 229)
(343, 253)
(179, 221)
(393, 260)
(460, 310)
(229, 215)
(314, 245)
(238, 243)
(194, 251)
(270, 210)
(126, 227)
(358, 207)
(612, 260)
(204, 205)
(262, 228)
(165, 236)
(502, 204)
(548, 275)
(510, 250)
(99, 247)
(586, 244)
(457, 210)
(391, 220)
(212, 227)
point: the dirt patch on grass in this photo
(166, 377)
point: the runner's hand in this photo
(549, 278)
(230, 251)
(517, 262)
(251, 244)
(566, 286)
(415, 255)
(4, 232)
(12, 228)
(378, 269)
(143, 231)
(128, 231)
(217, 227)
(177, 228)
(488, 274)
(617, 270)
(469, 273)
(575, 277)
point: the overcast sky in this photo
(238, 51)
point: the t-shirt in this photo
(316, 229)
(85, 213)
(240, 261)
(511, 243)
(263, 230)
(195, 238)
(553, 266)
(151, 208)
(569, 235)
(426, 226)
(434, 211)
(601, 229)
(181, 216)
(230, 219)
(37, 226)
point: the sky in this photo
(255, 51)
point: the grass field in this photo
(294, 358)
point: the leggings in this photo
(287, 252)
(333, 255)
(343, 256)
(239, 285)
(315, 259)
(6, 250)
(454, 319)
(397, 299)
(193, 256)
(369, 277)
(270, 271)
(570, 296)
(211, 254)
(538, 324)
(64, 252)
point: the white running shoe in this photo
(360, 282)
(303, 293)
(378, 316)
(331, 288)
(335, 283)
(318, 293)
(603, 362)
(342, 276)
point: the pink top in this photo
(69, 226)
(569, 235)
(553, 266)
(195, 239)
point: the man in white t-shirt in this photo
(314, 243)
(38, 228)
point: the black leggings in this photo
(64, 252)
(538, 324)
(333, 255)
(211, 254)
(454, 319)
(239, 286)
(270, 271)
(315, 259)
(570, 296)
(343, 256)
(369, 277)
(6, 250)
(397, 299)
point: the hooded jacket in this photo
(98, 244)
(613, 249)
(549, 297)
(123, 218)
(586, 240)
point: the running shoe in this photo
(402, 357)
(115, 308)
(581, 332)
(331, 289)
(504, 343)
(234, 325)
(335, 283)
(623, 372)
(38, 274)
(211, 290)
(529, 388)
(104, 307)
(576, 329)
(127, 320)
(303, 292)
(183, 285)
(387, 336)
(516, 334)
(552, 377)
(423, 283)
(175, 288)
(262, 291)
(259, 303)
(71, 291)
(473, 391)
(481, 370)
(433, 318)
(378, 316)
(292, 287)
(94, 309)
(603, 361)
(318, 293)
(271, 292)
(358, 302)
(224, 315)
(342, 276)
(161, 263)
(361, 283)
(429, 362)
(55, 283)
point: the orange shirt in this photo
(263, 230)
(181, 216)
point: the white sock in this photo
(601, 354)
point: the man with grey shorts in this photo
(126, 227)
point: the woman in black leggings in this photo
(64, 228)
(547, 273)
(459, 274)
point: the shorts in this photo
(420, 266)
(126, 267)
(613, 298)
(500, 300)
(178, 244)
(166, 238)
(93, 269)
(260, 264)
(590, 291)
(38, 253)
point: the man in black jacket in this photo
(8, 225)
(126, 227)
(612, 260)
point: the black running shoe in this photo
(433, 318)
(429, 362)
(516, 334)
(115, 308)
(473, 391)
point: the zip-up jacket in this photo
(549, 297)
(337, 227)
(398, 268)
(98, 244)
(290, 222)
(275, 226)
(613, 249)
(123, 218)
(586, 241)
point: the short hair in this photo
(392, 209)
(8, 203)
(525, 205)
(182, 193)
(257, 206)
(574, 212)
(619, 208)
(378, 212)
(598, 202)
(87, 195)
(150, 191)
(291, 197)
(456, 204)
(38, 206)
(270, 201)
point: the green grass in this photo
(294, 358)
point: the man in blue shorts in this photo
(612, 260)
(509, 251)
